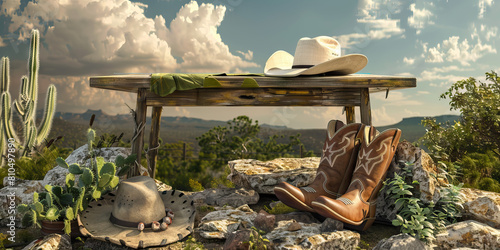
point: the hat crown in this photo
(313, 51)
(137, 200)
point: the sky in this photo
(437, 42)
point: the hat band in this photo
(124, 223)
(301, 66)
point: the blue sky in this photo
(438, 42)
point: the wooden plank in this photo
(258, 97)
(350, 114)
(365, 109)
(131, 83)
(153, 139)
(140, 119)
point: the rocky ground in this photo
(225, 216)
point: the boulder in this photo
(469, 234)
(233, 197)
(309, 236)
(482, 206)
(57, 175)
(264, 221)
(264, 176)
(218, 224)
(400, 242)
(21, 191)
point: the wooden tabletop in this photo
(375, 83)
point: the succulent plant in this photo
(26, 104)
(64, 203)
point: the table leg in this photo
(350, 114)
(365, 110)
(140, 119)
(153, 140)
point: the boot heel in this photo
(361, 227)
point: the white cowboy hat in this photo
(137, 203)
(313, 56)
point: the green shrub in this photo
(280, 208)
(415, 217)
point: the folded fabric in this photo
(164, 84)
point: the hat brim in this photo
(94, 222)
(280, 64)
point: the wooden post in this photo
(350, 114)
(153, 140)
(365, 110)
(140, 119)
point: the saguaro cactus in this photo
(25, 105)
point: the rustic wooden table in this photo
(346, 91)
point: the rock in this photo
(294, 226)
(51, 241)
(331, 225)
(263, 176)
(22, 192)
(99, 244)
(264, 221)
(218, 224)
(400, 241)
(57, 175)
(482, 206)
(423, 171)
(303, 217)
(239, 240)
(234, 197)
(309, 236)
(470, 234)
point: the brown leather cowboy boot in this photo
(335, 168)
(357, 206)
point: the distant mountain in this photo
(412, 128)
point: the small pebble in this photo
(140, 226)
(168, 220)
(155, 226)
(164, 226)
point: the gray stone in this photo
(400, 242)
(23, 193)
(303, 217)
(217, 224)
(471, 234)
(309, 236)
(234, 197)
(331, 225)
(51, 241)
(482, 206)
(264, 221)
(264, 176)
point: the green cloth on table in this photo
(164, 84)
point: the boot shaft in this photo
(374, 158)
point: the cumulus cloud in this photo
(86, 37)
(375, 15)
(409, 61)
(83, 37)
(483, 5)
(420, 18)
(443, 76)
(455, 50)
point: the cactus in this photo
(64, 203)
(25, 106)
